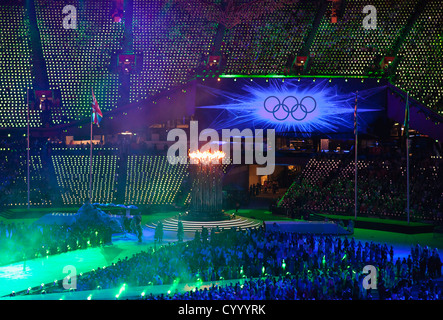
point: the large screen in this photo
(295, 106)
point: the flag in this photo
(96, 112)
(406, 123)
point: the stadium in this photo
(221, 150)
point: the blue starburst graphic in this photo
(290, 106)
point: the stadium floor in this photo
(21, 275)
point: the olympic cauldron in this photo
(206, 196)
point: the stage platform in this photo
(192, 226)
(382, 224)
(306, 227)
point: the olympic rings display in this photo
(289, 105)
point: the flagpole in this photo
(407, 155)
(95, 118)
(90, 166)
(355, 152)
(28, 149)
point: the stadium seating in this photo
(72, 172)
(381, 185)
(171, 42)
(263, 47)
(347, 48)
(150, 180)
(153, 180)
(317, 169)
(15, 68)
(78, 59)
(420, 70)
(38, 174)
(13, 182)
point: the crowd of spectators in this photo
(381, 189)
(274, 265)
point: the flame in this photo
(206, 157)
